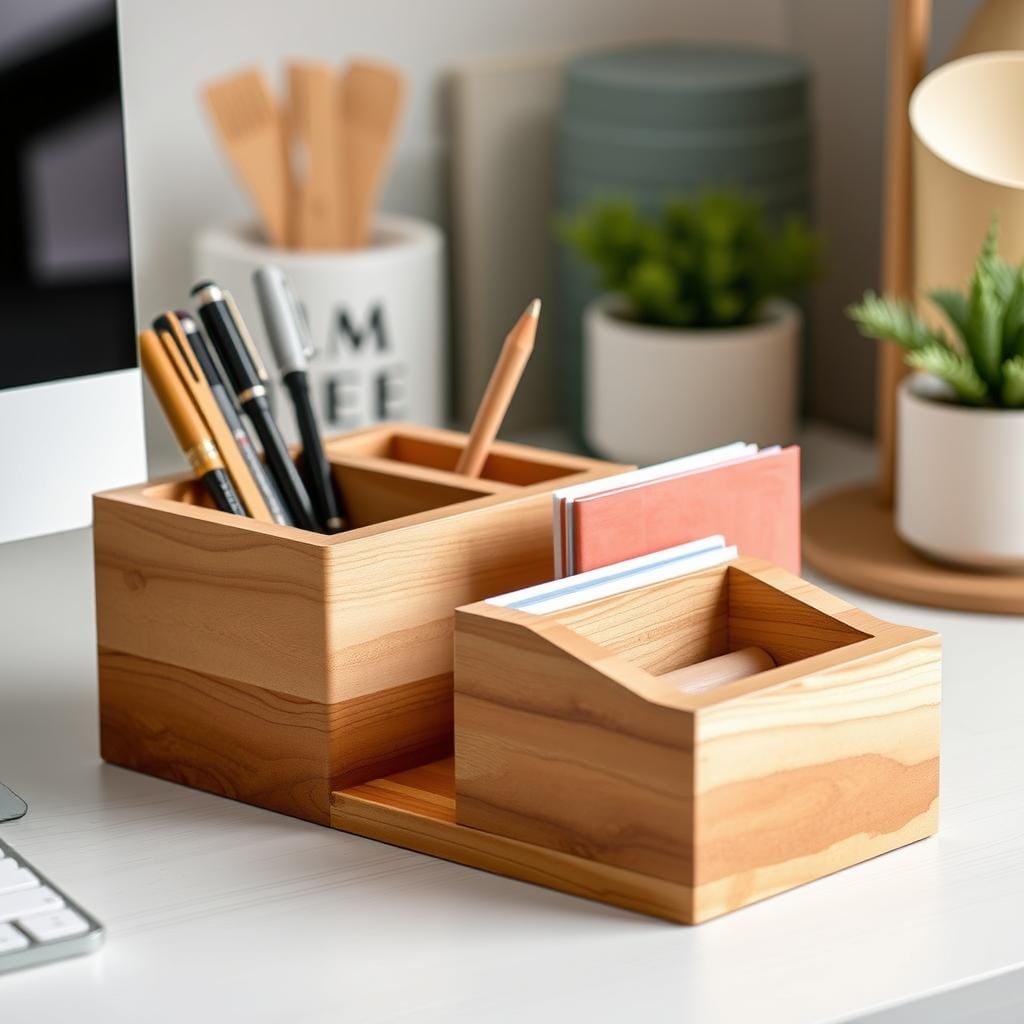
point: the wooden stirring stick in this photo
(250, 127)
(515, 354)
(316, 216)
(371, 103)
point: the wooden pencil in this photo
(515, 354)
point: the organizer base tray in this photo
(415, 809)
(849, 536)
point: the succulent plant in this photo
(983, 360)
(707, 262)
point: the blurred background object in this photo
(940, 524)
(655, 123)
(968, 166)
(70, 393)
(692, 340)
(960, 443)
(65, 266)
(311, 163)
(514, 52)
(376, 316)
(502, 194)
(996, 25)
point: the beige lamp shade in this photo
(968, 165)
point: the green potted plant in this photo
(960, 436)
(693, 345)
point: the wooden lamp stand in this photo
(850, 535)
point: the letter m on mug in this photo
(372, 336)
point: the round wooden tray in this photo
(849, 536)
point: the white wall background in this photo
(176, 177)
(178, 181)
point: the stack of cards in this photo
(750, 496)
(619, 578)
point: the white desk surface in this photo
(216, 910)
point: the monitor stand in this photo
(11, 805)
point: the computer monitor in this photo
(71, 419)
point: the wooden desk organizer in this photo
(577, 768)
(273, 665)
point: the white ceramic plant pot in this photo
(960, 479)
(652, 393)
(376, 316)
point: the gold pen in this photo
(188, 426)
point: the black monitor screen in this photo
(65, 272)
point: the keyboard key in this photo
(61, 924)
(7, 865)
(39, 900)
(11, 940)
(15, 881)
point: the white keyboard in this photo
(38, 922)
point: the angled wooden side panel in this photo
(783, 623)
(551, 751)
(660, 627)
(796, 781)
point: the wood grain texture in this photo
(411, 448)
(500, 390)
(376, 495)
(252, 744)
(659, 628)
(909, 30)
(804, 778)
(157, 862)
(850, 536)
(372, 97)
(551, 751)
(390, 730)
(416, 810)
(323, 618)
(184, 585)
(748, 789)
(316, 218)
(249, 124)
(244, 742)
(786, 627)
(252, 621)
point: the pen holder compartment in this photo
(271, 664)
(400, 447)
(566, 737)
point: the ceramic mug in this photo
(376, 316)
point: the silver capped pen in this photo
(288, 334)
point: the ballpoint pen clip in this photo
(261, 370)
(300, 318)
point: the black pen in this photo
(231, 413)
(288, 334)
(192, 433)
(245, 371)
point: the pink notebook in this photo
(755, 503)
